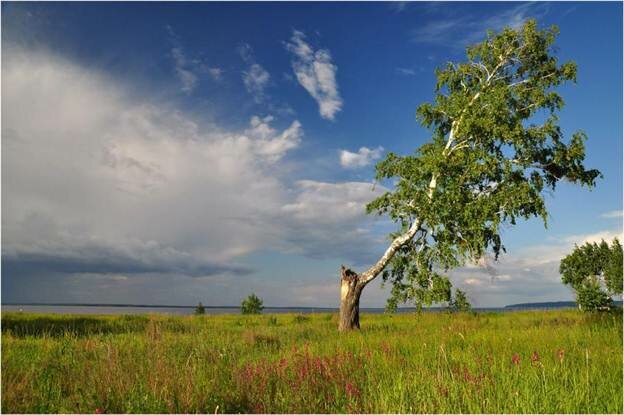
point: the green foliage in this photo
(588, 267)
(496, 148)
(252, 305)
(460, 302)
(200, 309)
(300, 318)
(613, 269)
(590, 297)
(559, 361)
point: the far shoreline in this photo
(116, 309)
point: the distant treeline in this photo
(553, 304)
(550, 304)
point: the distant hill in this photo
(551, 304)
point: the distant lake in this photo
(188, 310)
(178, 310)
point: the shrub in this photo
(252, 305)
(460, 302)
(200, 309)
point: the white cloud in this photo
(246, 53)
(256, 79)
(187, 78)
(332, 202)
(607, 235)
(98, 179)
(528, 274)
(613, 214)
(470, 28)
(188, 69)
(100, 165)
(436, 31)
(316, 73)
(562, 246)
(215, 73)
(329, 220)
(406, 71)
(362, 158)
(270, 144)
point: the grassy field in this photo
(544, 362)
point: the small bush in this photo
(200, 309)
(460, 302)
(252, 305)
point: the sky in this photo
(174, 153)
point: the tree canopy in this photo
(590, 267)
(496, 148)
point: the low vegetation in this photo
(539, 362)
(252, 305)
(200, 309)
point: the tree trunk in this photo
(350, 291)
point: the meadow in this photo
(516, 362)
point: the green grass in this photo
(538, 362)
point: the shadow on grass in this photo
(39, 326)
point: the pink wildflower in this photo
(515, 359)
(352, 390)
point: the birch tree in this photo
(588, 268)
(496, 147)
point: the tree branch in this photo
(402, 239)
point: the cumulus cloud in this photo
(330, 218)
(316, 73)
(362, 158)
(332, 202)
(529, 274)
(270, 144)
(101, 165)
(98, 180)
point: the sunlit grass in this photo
(538, 362)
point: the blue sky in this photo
(176, 153)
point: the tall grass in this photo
(538, 362)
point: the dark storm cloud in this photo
(103, 262)
(42, 263)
